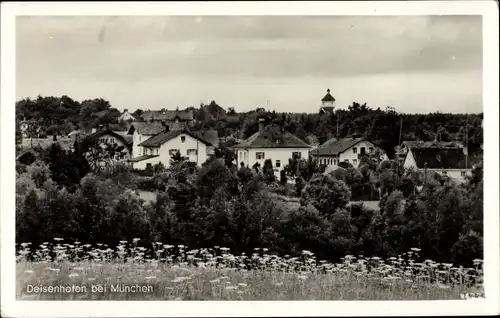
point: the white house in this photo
(406, 145)
(446, 161)
(271, 142)
(327, 103)
(350, 150)
(126, 116)
(142, 131)
(162, 146)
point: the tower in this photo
(328, 100)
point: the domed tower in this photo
(328, 100)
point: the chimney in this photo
(261, 124)
(166, 128)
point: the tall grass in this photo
(167, 272)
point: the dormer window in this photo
(277, 141)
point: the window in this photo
(277, 141)
(278, 163)
(140, 138)
(144, 151)
(463, 173)
(259, 155)
(334, 161)
(346, 160)
(355, 150)
(363, 151)
(192, 152)
(370, 149)
(183, 138)
(171, 152)
(296, 154)
(355, 161)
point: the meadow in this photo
(167, 272)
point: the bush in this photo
(326, 194)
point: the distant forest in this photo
(61, 115)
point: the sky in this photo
(415, 64)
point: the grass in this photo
(175, 273)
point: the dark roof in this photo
(94, 137)
(148, 129)
(267, 136)
(335, 147)
(161, 138)
(125, 136)
(141, 158)
(328, 97)
(210, 136)
(168, 115)
(439, 158)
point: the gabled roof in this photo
(328, 97)
(148, 129)
(125, 135)
(168, 115)
(335, 146)
(266, 139)
(94, 137)
(161, 138)
(439, 158)
(211, 136)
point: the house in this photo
(210, 136)
(350, 150)
(168, 116)
(445, 161)
(402, 150)
(126, 116)
(161, 147)
(105, 136)
(142, 131)
(271, 142)
(327, 103)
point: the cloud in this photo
(130, 51)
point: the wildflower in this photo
(415, 249)
(28, 271)
(231, 287)
(213, 281)
(302, 277)
(136, 239)
(73, 275)
(91, 279)
(150, 277)
(279, 284)
(242, 285)
(123, 242)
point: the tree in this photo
(176, 158)
(326, 194)
(268, 171)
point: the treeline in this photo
(384, 127)
(220, 204)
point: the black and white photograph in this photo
(236, 157)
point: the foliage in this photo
(326, 194)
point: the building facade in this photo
(449, 162)
(274, 143)
(349, 150)
(163, 146)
